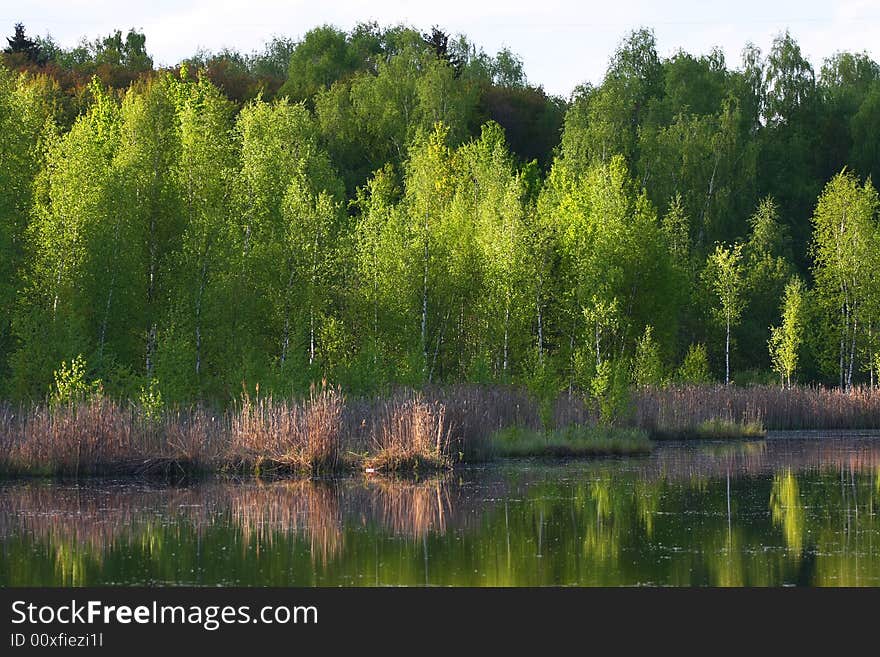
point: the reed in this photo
(677, 408)
(410, 435)
(283, 436)
(407, 430)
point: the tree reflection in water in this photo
(761, 513)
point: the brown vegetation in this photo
(405, 431)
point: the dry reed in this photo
(404, 431)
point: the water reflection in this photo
(764, 513)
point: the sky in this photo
(563, 43)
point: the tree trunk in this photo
(202, 283)
(506, 325)
(727, 353)
(425, 301)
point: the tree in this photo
(694, 368)
(603, 122)
(647, 365)
(767, 262)
(429, 190)
(724, 273)
(129, 53)
(616, 273)
(789, 79)
(865, 127)
(76, 236)
(844, 247)
(148, 153)
(489, 196)
(25, 119)
(194, 352)
(438, 42)
(319, 60)
(19, 43)
(786, 338)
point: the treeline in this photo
(365, 223)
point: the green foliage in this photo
(724, 273)
(71, 385)
(647, 364)
(694, 369)
(150, 402)
(374, 222)
(845, 248)
(610, 389)
(786, 339)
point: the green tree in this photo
(25, 121)
(843, 249)
(76, 238)
(647, 364)
(725, 275)
(20, 43)
(322, 57)
(694, 368)
(786, 338)
(193, 354)
(148, 153)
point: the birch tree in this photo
(203, 177)
(24, 120)
(76, 238)
(844, 241)
(148, 151)
(786, 338)
(279, 185)
(725, 275)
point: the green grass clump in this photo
(713, 430)
(574, 440)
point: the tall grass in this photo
(316, 435)
(305, 436)
(405, 430)
(774, 408)
(410, 435)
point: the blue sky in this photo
(562, 43)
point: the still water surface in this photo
(772, 512)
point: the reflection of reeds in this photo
(302, 507)
(77, 519)
(411, 509)
(761, 458)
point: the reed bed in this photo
(407, 430)
(678, 408)
(270, 435)
(320, 434)
(412, 435)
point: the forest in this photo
(385, 207)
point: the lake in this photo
(779, 511)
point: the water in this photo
(772, 512)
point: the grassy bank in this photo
(713, 430)
(573, 441)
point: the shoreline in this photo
(410, 431)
